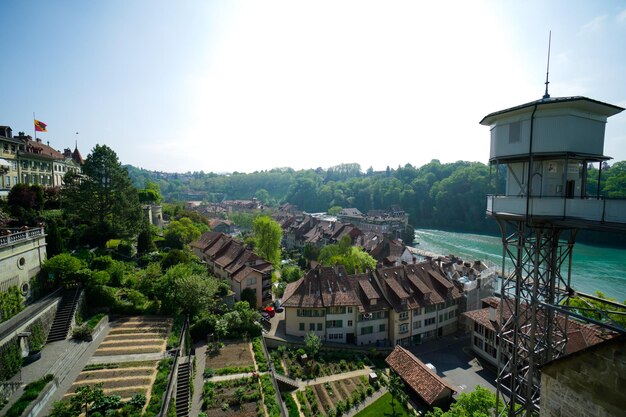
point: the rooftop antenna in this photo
(547, 95)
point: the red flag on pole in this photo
(40, 126)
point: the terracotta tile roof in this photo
(322, 287)
(205, 240)
(243, 273)
(427, 384)
(217, 245)
(228, 253)
(368, 289)
(579, 335)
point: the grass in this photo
(31, 392)
(94, 320)
(382, 408)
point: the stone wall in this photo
(589, 383)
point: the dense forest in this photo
(450, 196)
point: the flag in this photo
(40, 126)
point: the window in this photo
(514, 132)
(478, 342)
(15, 180)
(319, 327)
(334, 323)
(404, 328)
(251, 281)
(417, 312)
(349, 323)
(336, 310)
(349, 309)
(404, 315)
(431, 308)
(382, 328)
(309, 313)
(14, 165)
(367, 330)
(8, 184)
(417, 324)
(312, 327)
(335, 336)
(429, 322)
(302, 326)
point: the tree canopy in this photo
(353, 258)
(479, 403)
(267, 237)
(102, 197)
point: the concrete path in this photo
(137, 357)
(219, 378)
(198, 381)
(336, 377)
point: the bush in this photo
(259, 355)
(82, 332)
(292, 407)
(269, 396)
(158, 388)
(10, 360)
(31, 392)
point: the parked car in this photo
(270, 310)
(278, 306)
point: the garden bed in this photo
(123, 379)
(334, 398)
(326, 363)
(236, 398)
(235, 356)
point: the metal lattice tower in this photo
(545, 148)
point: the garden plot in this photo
(135, 335)
(335, 397)
(235, 398)
(123, 379)
(235, 356)
(326, 363)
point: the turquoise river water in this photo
(593, 268)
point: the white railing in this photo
(595, 210)
(11, 236)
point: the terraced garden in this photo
(326, 363)
(124, 379)
(136, 335)
(127, 377)
(334, 398)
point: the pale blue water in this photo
(593, 268)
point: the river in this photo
(593, 268)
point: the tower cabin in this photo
(544, 150)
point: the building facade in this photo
(22, 252)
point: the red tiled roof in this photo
(421, 379)
(205, 240)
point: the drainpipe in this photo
(530, 162)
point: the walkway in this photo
(335, 377)
(136, 357)
(64, 359)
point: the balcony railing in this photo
(11, 236)
(587, 209)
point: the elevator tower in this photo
(542, 152)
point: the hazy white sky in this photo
(252, 85)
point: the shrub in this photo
(10, 360)
(82, 332)
(31, 391)
(158, 388)
(292, 407)
(269, 396)
(259, 354)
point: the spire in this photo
(547, 95)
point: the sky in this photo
(224, 86)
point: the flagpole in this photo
(35, 126)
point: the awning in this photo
(4, 162)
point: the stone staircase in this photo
(64, 315)
(182, 389)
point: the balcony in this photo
(11, 236)
(600, 211)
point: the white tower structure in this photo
(542, 151)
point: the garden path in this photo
(335, 377)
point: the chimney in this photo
(38, 140)
(48, 142)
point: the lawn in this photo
(382, 407)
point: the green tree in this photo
(598, 310)
(181, 232)
(249, 295)
(479, 403)
(313, 344)
(354, 259)
(267, 237)
(396, 389)
(102, 197)
(151, 194)
(85, 396)
(63, 266)
(615, 184)
(186, 288)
